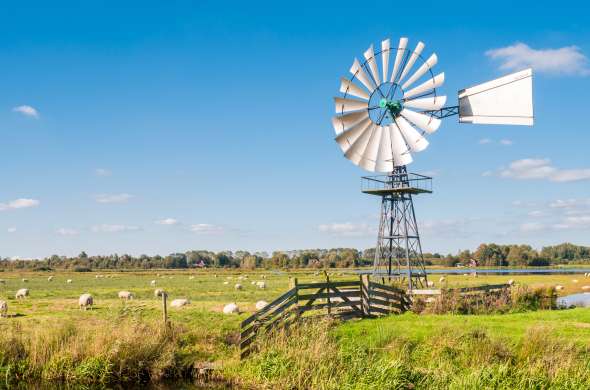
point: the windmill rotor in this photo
(380, 117)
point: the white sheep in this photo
(179, 302)
(25, 280)
(69, 281)
(153, 282)
(474, 274)
(22, 293)
(430, 283)
(85, 301)
(261, 285)
(238, 286)
(126, 295)
(261, 305)
(226, 282)
(585, 288)
(231, 308)
(511, 282)
(559, 287)
(253, 282)
(442, 279)
(3, 309)
(575, 281)
(191, 277)
(159, 292)
(49, 279)
(240, 278)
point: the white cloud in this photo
(536, 213)
(66, 232)
(528, 227)
(27, 111)
(107, 228)
(506, 142)
(11, 230)
(113, 198)
(485, 141)
(530, 168)
(20, 203)
(206, 228)
(567, 60)
(167, 221)
(102, 172)
(347, 229)
(570, 203)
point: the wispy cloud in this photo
(167, 221)
(27, 111)
(347, 229)
(542, 169)
(21, 203)
(206, 228)
(506, 142)
(485, 141)
(113, 198)
(528, 227)
(66, 232)
(102, 172)
(11, 230)
(107, 228)
(567, 60)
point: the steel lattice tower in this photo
(398, 252)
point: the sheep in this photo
(261, 305)
(25, 280)
(238, 286)
(191, 277)
(442, 279)
(253, 282)
(559, 287)
(240, 278)
(231, 308)
(585, 288)
(3, 309)
(263, 276)
(226, 282)
(215, 275)
(69, 281)
(575, 281)
(2, 281)
(159, 292)
(261, 285)
(126, 295)
(85, 301)
(153, 282)
(430, 283)
(22, 293)
(511, 282)
(49, 279)
(179, 302)
(474, 274)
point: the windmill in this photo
(384, 115)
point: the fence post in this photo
(294, 285)
(365, 300)
(165, 308)
(329, 291)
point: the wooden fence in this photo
(344, 299)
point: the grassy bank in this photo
(528, 350)
(47, 337)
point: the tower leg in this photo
(398, 252)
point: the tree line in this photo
(485, 255)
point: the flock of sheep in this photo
(86, 301)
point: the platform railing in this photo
(389, 182)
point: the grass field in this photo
(50, 318)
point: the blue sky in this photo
(166, 126)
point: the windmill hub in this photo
(394, 107)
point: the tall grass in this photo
(310, 356)
(89, 353)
